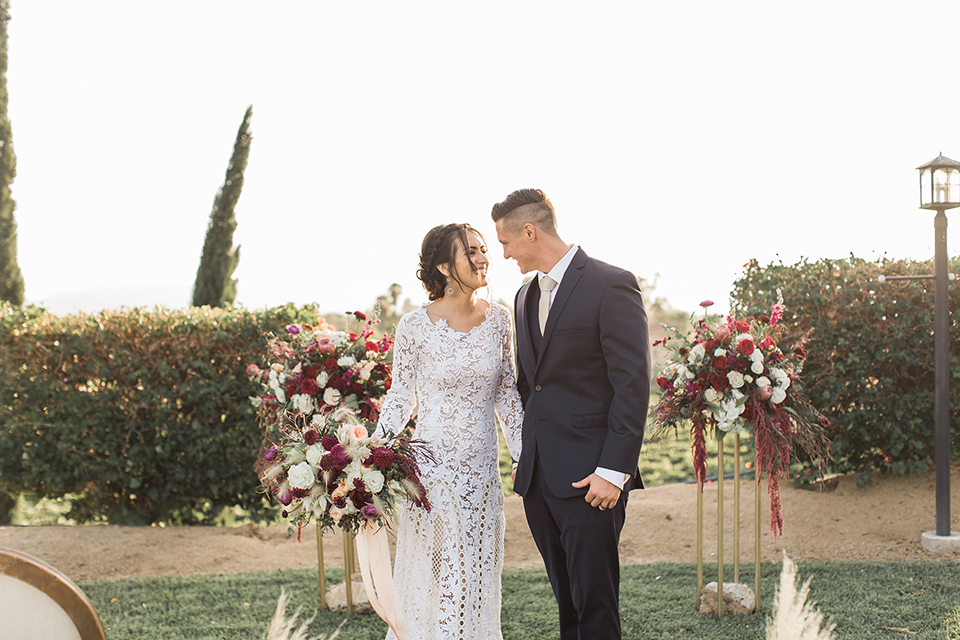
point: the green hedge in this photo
(870, 365)
(141, 416)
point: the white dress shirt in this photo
(617, 478)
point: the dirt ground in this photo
(883, 522)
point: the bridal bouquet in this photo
(332, 469)
(314, 370)
(735, 376)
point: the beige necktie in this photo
(546, 286)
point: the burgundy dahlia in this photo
(382, 457)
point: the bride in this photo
(453, 359)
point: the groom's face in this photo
(519, 247)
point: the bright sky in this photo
(679, 139)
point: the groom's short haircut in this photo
(526, 206)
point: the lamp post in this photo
(939, 191)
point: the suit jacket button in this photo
(538, 388)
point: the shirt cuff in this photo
(617, 478)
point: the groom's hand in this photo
(601, 494)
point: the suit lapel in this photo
(567, 285)
(525, 343)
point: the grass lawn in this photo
(868, 601)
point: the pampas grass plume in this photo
(281, 627)
(793, 617)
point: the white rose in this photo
(317, 420)
(748, 378)
(314, 453)
(332, 397)
(373, 480)
(340, 339)
(757, 355)
(346, 361)
(281, 395)
(354, 470)
(711, 395)
(757, 367)
(763, 381)
(302, 403)
(683, 372)
(697, 353)
(301, 476)
(323, 379)
(735, 378)
(783, 380)
(366, 370)
(779, 395)
(720, 352)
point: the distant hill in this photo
(105, 298)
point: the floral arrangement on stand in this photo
(313, 370)
(322, 392)
(734, 376)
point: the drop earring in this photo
(450, 290)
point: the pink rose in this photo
(764, 393)
(326, 346)
(359, 432)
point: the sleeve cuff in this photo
(617, 478)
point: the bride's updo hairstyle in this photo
(440, 248)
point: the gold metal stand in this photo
(756, 534)
(699, 543)
(736, 528)
(323, 577)
(720, 471)
(349, 566)
(736, 506)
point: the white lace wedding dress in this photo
(448, 561)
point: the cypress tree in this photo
(11, 280)
(215, 284)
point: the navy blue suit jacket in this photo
(586, 386)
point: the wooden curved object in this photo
(55, 585)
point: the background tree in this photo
(215, 284)
(11, 280)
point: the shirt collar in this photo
(561, 267)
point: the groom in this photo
(583, 373)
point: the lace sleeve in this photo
(508, 406)
(401, 399)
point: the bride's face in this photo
(471, 262)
